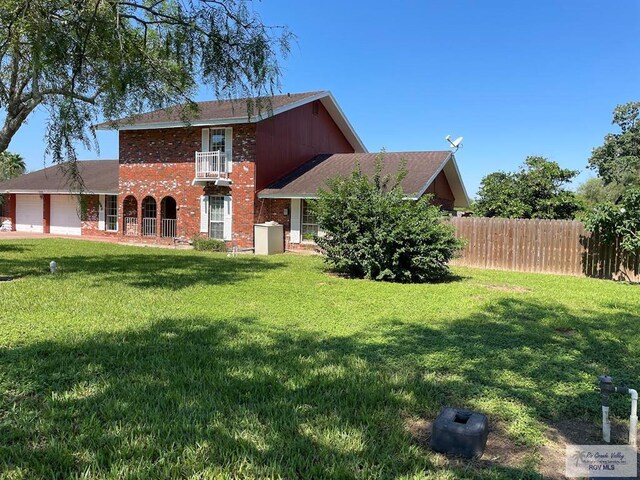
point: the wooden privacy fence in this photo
(549, 246)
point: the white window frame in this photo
(212, 200)
(227, 216)
(303, 208)
(107, 214)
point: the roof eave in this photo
(212, 121)
(327, 98)
(57, 192)
(159, 125)
(451, 171)
(262, 195)
(304, 196)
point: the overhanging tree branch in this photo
(62, 55)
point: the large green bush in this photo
(370, 230)
(618, 222)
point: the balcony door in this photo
(216, 155)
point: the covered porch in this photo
(147, 217)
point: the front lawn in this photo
(152, 363)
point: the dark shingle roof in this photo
(99, 176)
(215, 110)
(421, 167)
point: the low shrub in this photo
(205, 244)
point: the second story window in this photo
(217, 140)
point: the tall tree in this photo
(593, 192)
(536, 190)
(617, 161)
(106, 59)
(11, 165)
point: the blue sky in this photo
(514, 78)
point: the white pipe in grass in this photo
(633, 419)
(606, 426)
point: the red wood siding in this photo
(441, 191)
(288, 140)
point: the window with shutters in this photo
(216, 217)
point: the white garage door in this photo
(64, 215)
(28, 213)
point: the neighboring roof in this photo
(99, 176)
(226, 112)
(422, 169)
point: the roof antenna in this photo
(457, 143)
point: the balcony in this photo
(212, 167)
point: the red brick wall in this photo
(161, 163)
(90, 214)
(8, 209)
(90, 221)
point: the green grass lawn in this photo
(151, 363)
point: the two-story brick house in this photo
(219, 175)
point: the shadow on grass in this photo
(151, 268)
(6, 247)
(237, 398)
(449, 278)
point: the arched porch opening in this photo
(149, 217)
(168, 217)
(130, 215)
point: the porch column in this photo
(158, 218)
(139, 217)
(46, 213)
(12, 211)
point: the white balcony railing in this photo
(211, 165)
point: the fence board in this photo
(551, 246)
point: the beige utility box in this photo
(269, 238)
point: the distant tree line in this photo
(609, 204)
